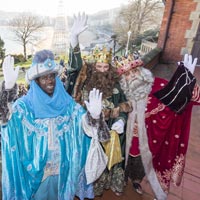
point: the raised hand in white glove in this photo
(94, 104)
(118, 126)
(9, 72)
(189, 64)
(79, 25)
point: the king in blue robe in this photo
(44, 145)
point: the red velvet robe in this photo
(168, 135)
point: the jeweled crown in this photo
(127, 64)
(103, 55)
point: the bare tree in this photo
(26, 26)
(137, 17)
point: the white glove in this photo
(79, 25)
(94, 105)
(10, 74)
(118, 126)
(189, 64)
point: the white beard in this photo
(139, 88)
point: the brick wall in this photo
(176, 20)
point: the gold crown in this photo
(100, 55)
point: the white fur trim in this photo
(139, 108)
(40, 70)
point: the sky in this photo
(50, 7)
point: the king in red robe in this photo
(159, 125)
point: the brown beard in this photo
(104, 81)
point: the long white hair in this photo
(137, 88)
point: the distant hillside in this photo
(6, 16)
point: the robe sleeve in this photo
(7, 97)
(178, 92)
(97, 127)
(74, 67)
(196, 95)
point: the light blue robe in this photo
(26, 146)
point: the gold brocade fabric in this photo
(113, 149)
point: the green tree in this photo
(2, 49)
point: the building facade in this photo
(180, 30)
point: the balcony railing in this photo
(146, 47)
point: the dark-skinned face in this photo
(47, 83)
